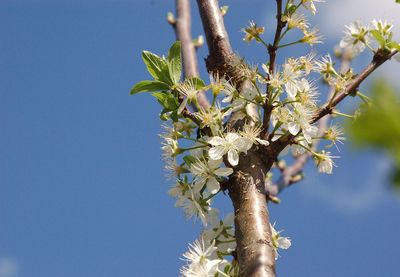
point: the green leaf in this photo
(189, 159)
(394, 45)
(379, 125)
(175, 62)
(167, 100)
(379, 38)
(149, 86)
(198, 83)
(157, 67)
(398, 1)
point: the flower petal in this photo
(216, 152)
(213, 185)
(233, 157)
(223, 171)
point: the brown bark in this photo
(254, 252)
(184, 34)
(221, 58)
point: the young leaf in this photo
(394, 45)
(198, 83)
(175, 62)
(167, 100)
(149, 86)
(157, 67)
(189, 159)
(379, 38)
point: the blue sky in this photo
(82, 191)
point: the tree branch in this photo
(272, 57)
(184, 34)
(255, 252)
(377, 61)
(297, 167)
(221, 58)
(274, 47)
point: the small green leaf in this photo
(149, 86)
(175, 62)
(167, 100)
(189, 159)
(157, 67)
(198, 83)
(394, 45)
(378, 36)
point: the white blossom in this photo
(252, 132)
(223, 232)
(200, 263)
(231, 143)
(212, 118)
(296, 20)
(382, 26)
(278, 241)
(192, 206)
(356, 37)
(324, 162)
(325, 67)
(206, 173)
(309, 4)
(301, 119)
(188, 88)
(312, 36)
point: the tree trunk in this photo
(255, 252)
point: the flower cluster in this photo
(203, 144)
(376, 36)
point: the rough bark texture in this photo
(255, 253)
(221, 58)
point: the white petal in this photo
(231, 137)
(223, 171)
(213, 164)
(284, 243)
(291, 89)
(196, 169)
(199, 184)
(216, 141)
(233, 157)
(294, 128)
(213, 185)
(262, 141)
(243, 144)
(216, 152)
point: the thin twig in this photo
(272, 49)
(296, 168)
(377, 61)
(184, 34)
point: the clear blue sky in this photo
(82, 191)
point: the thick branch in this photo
(221, 58)
(255, 252)
(184, 34)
